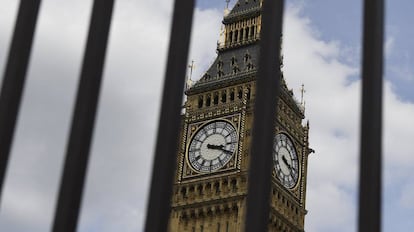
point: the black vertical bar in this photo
(14, 78)
(158, 210)
(77, 154)
(371, 122)
(268, 88)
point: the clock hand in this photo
(211, 146)
(226, 151)
(219, 147)
(285, 161)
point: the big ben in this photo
(210, 186)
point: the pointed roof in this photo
(244, 8)
(232, 64)
(244, 5)
(238, 62)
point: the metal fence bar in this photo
(371, 121)
(77, 154)
(268, 88)
(159, 205)
(14, 78)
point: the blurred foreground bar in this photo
(159, 205)
(371, 121)
(83, 121)
(14, 78)
(268, 88)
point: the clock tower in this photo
(210, 187)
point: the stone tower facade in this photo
(210, 187)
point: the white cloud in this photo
(7, 17)
(330, 209)
(28, 198)
(204, 39)
(333, 108)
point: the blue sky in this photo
(344, 25)
(322, 50)
(341, 20)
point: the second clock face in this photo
(212, 146)
(286, 163)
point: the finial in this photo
(227, 1)
(189, 82)
(303, 91)
(191, 67)
(226, 10)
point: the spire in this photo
(227, 10)
(189, 82)
(302, 91)
(191, 67)
(302, 105)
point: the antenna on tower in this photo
(226, 10)
(191, 67)
(189, 81)
(302, 91)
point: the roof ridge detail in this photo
(244, 7)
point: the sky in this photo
(321, 48)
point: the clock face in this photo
(286, 163)
(212, 146)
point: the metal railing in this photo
(77, 154)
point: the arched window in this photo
(200, 101)
(236, 36)
(240, 93)
(246, 57)
(224, 97)
(220, 65)
(233, 60)
(216, 98)
(184, 192)
(200, 189)
(241, 34)
(234, 184)
(208, 100)
(250, 32)
(235, 69)
(217, 187)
